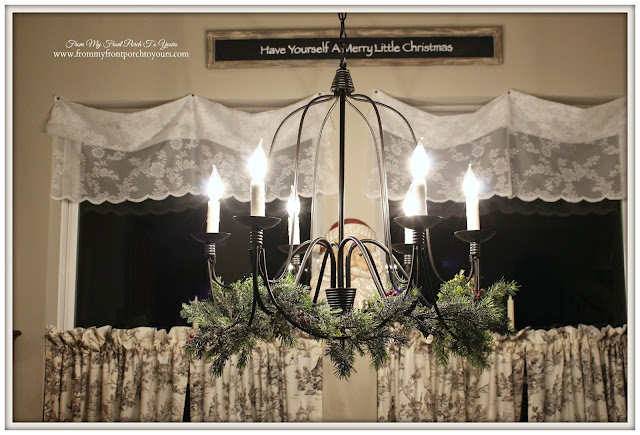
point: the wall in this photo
(566, 57)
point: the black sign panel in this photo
(454, 46)
(362, 48)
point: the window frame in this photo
(68, 265)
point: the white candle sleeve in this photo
(420, 192)
(473, 214)
(257, 198)
(195, 325)
(213, 216)
(408, 236)
(296, 230)
(511, 312)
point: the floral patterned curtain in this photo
(573, 374)
(412, 387)
(278, 384)
(106, 374)
(169, 150)
(577, 374)
(518, 146)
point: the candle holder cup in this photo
(257, 224)
(405, 249)
(418, 223)
(475, 238)
(210, 240)
(415, 256)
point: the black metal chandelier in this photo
(418, 269)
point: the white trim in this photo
(68, 265)
(624, 210)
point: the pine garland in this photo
(470, 316)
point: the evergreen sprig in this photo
(470, 316)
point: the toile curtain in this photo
(412, 387)
(278, 384)
(572, 375)
(105, 374)
(577, 374)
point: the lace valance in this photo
(519, 146)
(102, 155)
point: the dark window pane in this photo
(568, 258)
(137, 262)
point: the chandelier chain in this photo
(343, 38)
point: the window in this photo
(137, 262)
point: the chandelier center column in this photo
(341, 87)
(341, 199)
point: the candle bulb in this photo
(470, 189)
(511, 312)
(419, 169)
(408, 206)
(258, 170)
(214, 190)
(293, 207)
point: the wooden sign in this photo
(426, 46)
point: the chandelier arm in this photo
(323, 98)
(390, 259)
(316, 162)
(317, 100)
(471, 272)
(288, 318)
(257, 267)
(425, 268)
(211, 281)
(381, 170)
(430, 252)
(435, 304)
(368, 259)
(420, 298)
(382, 174)
(323, 242)
(409, 275)
(374, 271)
(320, 276)
(416, 267)
(362, 97)
(254, 267)
(212, 275)
(283, 269)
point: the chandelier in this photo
(417, 271)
